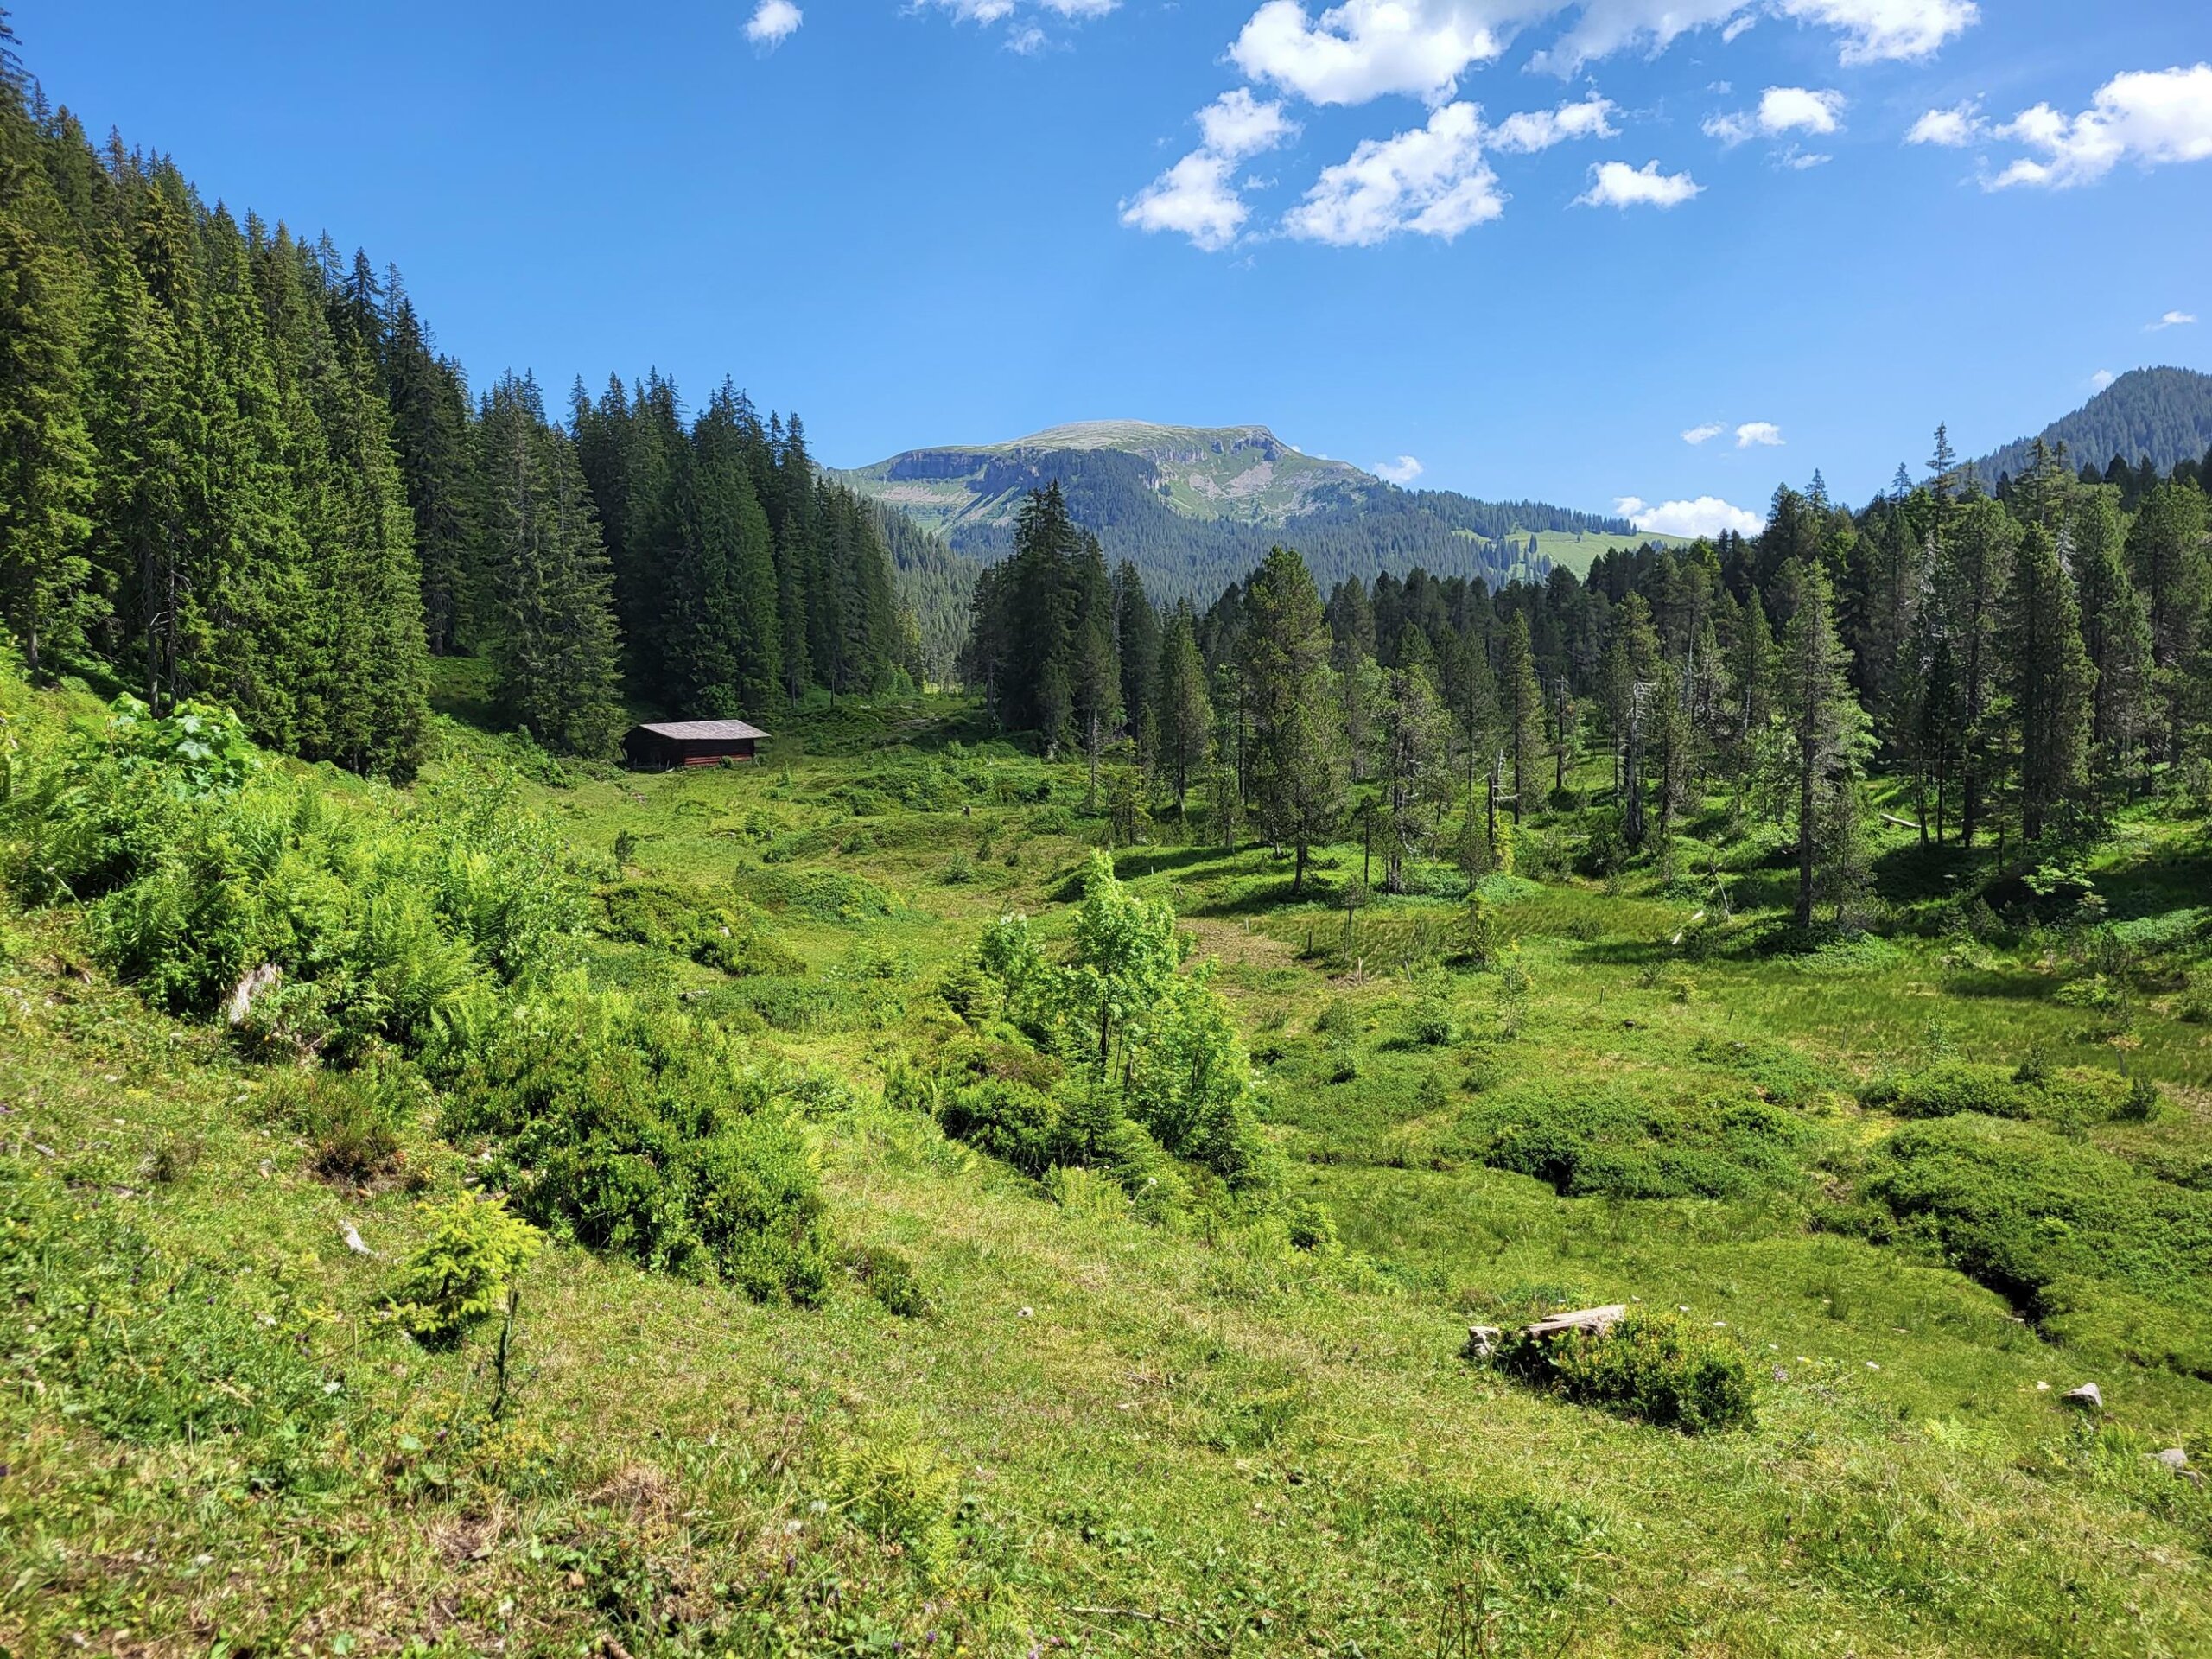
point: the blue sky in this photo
(963, 220)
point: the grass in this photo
(1077, 1426)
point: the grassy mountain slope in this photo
(1195, 507)
(2162, 414)
(1177, 1436)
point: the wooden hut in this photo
(671, 744)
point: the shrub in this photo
(2140, 1104)
(1432, 1025)
(1948, 1088)
(889, 1277)
(374, 911)
(460, 1274)
(2033, 1089)
(1310, 1227)
(353, 1120)
(638, 1129)
(1012, 1121)
(1650, 1365)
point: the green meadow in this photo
(1919, 1183)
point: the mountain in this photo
(2162, 414)
(1196, 508)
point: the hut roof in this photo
(704, 731)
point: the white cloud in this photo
(1782, 109)
(1238, 124)
(2102, 379)
(1759, 434)
(1878, 30)
(1616, 184)
(1365, 50)
(2148, 116)
(1609, 26)
(774, 23)
(1954, 128)
(1705, 434)
(1873, 30)
(2171, 319)
(1194, 198)
(1541, 129)
(1431, 180)
(1401, 472)
(1706, 516)
(1023, 36)
(1198, 197)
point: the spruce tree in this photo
(1977, 558)
(47, 463)
(554, 643)
(725, 639)
(2166, 548)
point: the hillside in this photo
(2162, 415)
(1024, 1411)
(1196, 507)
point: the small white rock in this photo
(1027, 1313)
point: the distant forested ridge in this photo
(2149, 420)
(234, 466)
(1137, 503)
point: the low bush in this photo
(727, 937)
(1650, 1365)
(2031, 1089)
(2032, 1214)
(640, 1129)
(1608, 1143)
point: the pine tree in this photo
(1186, 716)
(1413, 745)
(2166, 548)
(2051, 680)
(2116, 635)
(1824, 723)
(1297, 744)
(1521, 710)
